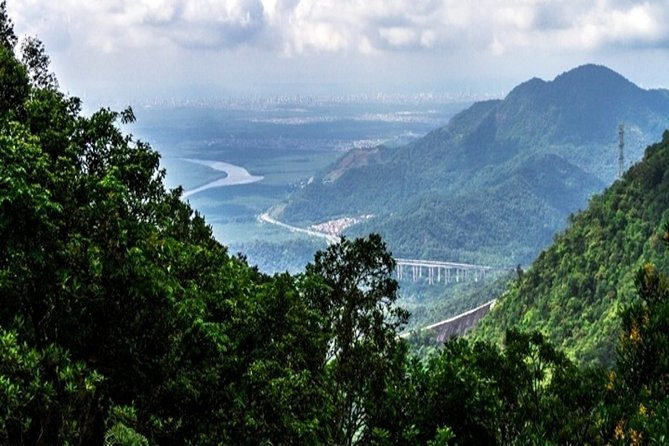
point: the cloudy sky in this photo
(130, 49)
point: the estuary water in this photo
(233, 176)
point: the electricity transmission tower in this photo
(621, 150)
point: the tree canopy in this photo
(124, 322)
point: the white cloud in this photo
(639, 23)
(316, 37)
(496, 47)
(428, 38)
(398, 36)
(189, 44)
(303, 26)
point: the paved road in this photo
(267, 219)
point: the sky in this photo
(126, 50)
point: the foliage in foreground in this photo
(123, 322)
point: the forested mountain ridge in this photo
(123, 322)
(575, 289)
(540, 152)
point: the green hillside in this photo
(463, 191)
(575, 289)
(536, 195)
(123, 322)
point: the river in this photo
(235, 175)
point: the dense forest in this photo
(124, 322)
(575, 289)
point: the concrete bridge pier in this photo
(436, 270)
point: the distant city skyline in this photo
(143, 50)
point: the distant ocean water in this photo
(284, 143)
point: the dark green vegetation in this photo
(123, 322)
(495, 184)
(575, 289)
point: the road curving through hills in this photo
(265, 217)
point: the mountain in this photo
(496, 182)
(575, 289)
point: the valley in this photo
(212, 266)
(459, 193)
(287, 142)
